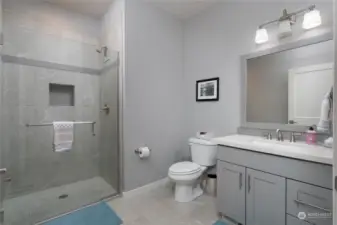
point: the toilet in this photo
(186, 175)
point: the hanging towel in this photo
(63, 136)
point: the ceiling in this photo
(183, 8)
(95, 8)
(180, 8)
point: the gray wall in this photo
(267, 80)
(213, 43)
(43, 31)
(154, 93)
(53, 36)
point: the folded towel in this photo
(63, 136)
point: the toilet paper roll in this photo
(144, 152)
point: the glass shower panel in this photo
(43, 183)
(109, 118)
(49, 76)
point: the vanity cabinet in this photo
(249, 194)
(262, 189)
(231, 189)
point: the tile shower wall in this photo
(47, 33)
(28, 153)
(43, 31)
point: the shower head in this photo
(104, 49)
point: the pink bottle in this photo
(311, 136)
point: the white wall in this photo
(154, 92)
(213, 43)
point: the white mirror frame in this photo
(280, 48)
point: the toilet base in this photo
(187, 193)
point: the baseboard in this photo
(157, 184)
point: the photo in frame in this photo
(207, 90)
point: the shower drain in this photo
(63, 196)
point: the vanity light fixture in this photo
(312, 18)
(284, 28)
(284, 24)
(261, 35)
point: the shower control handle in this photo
(3, 171)
(106, 108)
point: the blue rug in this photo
(220, 223)
(100, 214)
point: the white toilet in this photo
(186, 175)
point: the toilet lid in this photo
(185, 168)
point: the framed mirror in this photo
(283, 87)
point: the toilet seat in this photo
(184, 168)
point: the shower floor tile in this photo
(42, 205)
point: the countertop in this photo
(297, 150)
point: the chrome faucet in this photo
(279, 135)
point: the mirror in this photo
(288, 87)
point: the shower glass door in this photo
(51, 71)
(41, 183)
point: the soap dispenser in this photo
(311, 136)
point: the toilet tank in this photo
(203, 151)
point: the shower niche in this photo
(61, 95)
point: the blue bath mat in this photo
(100, 214)
(220, 223)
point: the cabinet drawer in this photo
(295, 221)
(315, 201)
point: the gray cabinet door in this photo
(231, 191)
(266, 198)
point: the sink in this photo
(293, 147)
(284, 146)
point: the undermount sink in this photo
(291, 146)
(294, 147)
(283, 143)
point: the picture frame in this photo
(207, 90)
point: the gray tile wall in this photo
(43, 31)
(27, 151)
(46, 33)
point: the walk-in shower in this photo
(51, 71)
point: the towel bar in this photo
(51, 124)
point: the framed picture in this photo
(207, 90)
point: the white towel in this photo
(63, 136)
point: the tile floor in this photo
(41, 205)
(157, 207)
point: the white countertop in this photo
(297, 150)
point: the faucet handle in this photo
(268, 136)
(293, 136)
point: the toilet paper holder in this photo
(137, 151)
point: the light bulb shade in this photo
(261, 36)
(312, 19)
(284, 28)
